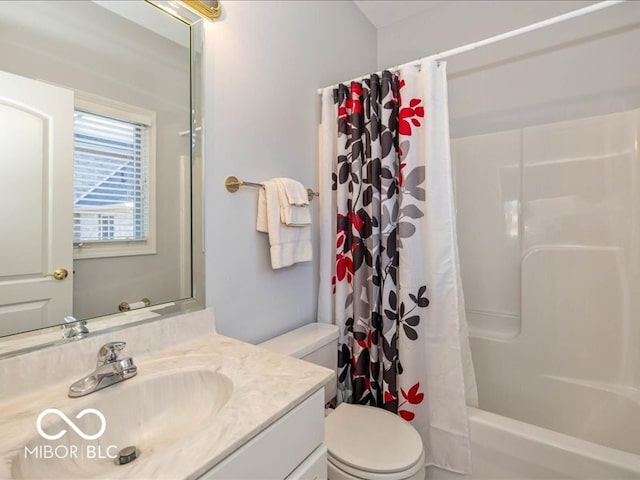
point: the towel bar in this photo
(232, 184)
(126, 306)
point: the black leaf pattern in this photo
(356, 149)
(414, 320)
(362, 364)
(386, 173)
(360, 335)
(409, 332)
(393, 300)
(343, 173)
(367, 196)
(390, 314)
(388, 349)
(389, 376)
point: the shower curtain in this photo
(389, 273)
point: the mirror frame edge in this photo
(197, 299)
(197, 166)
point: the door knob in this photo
(60, 273)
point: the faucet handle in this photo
(108, 353)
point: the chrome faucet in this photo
(109, 370)
(74, 328)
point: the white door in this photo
(36, 203)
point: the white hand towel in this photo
(296, 193)
(261, 221)
(291, 215)
(289, 245)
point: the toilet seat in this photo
(348, 472)
(355, 439)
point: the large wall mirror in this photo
(99, 135)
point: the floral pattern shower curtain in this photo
(389, 270)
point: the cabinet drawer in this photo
(276, 452)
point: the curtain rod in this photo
(503, 36)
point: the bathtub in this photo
(538, 425)
(503, 448)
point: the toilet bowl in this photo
(363, 443)
(371, 443)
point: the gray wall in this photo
(82, 46)
(264, 62)
(585, 66)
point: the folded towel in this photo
(289, 245)
(261, 222)
(291, 215)
(295, 192)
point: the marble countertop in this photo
(266, 385)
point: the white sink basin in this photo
(152, 412)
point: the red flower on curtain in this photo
(356, 221)
(344, 268)
(410, 113)
(413, 397)
(354, 104)
(344, 264)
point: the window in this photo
(113, 179)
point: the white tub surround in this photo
(551, 305)
(263, 387)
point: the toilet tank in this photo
(316, 343)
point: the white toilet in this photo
(363, 443)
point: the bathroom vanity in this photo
(209, 407)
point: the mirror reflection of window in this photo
(114, 162)
(111, 168)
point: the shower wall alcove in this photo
(549, 240)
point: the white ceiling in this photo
(385, 12)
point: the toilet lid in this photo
(371, 439)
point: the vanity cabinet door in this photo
(313, 468)
(36, 203)
(281, 448)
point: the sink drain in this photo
(127, 455)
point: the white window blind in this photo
(111, 166)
